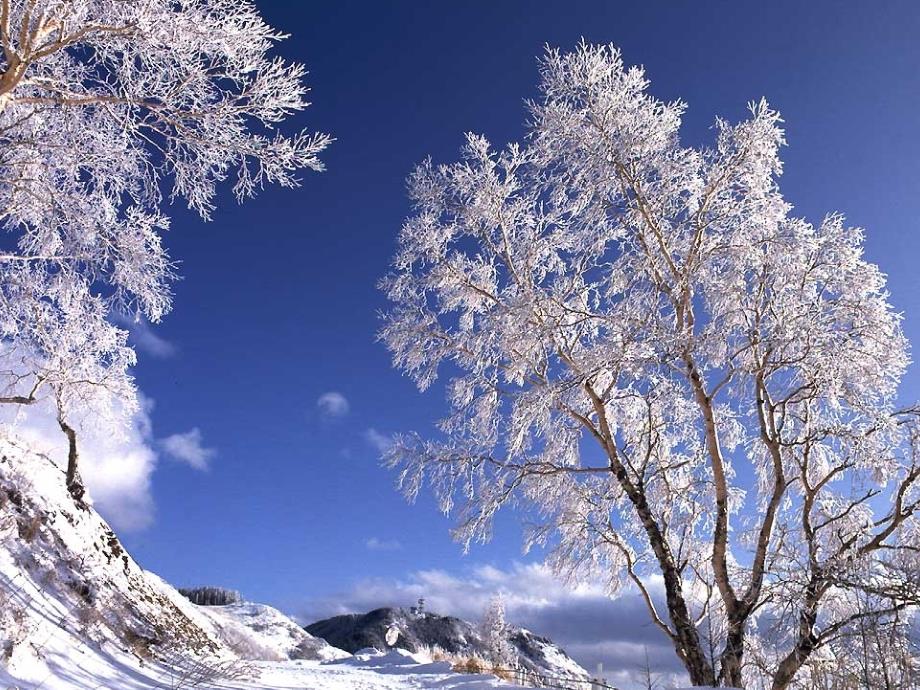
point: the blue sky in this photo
(277, 305)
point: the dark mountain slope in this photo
(455, 636)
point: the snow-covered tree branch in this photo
(667, 371)
(106, 108)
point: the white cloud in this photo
(375, 544)
(333, 404)
(381, 442)
(188, 448)
(116, 463)
(583, 620)
(144, 338)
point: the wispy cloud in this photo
(333, 405)
(142, 336)
(375, 544)
(188, 447)
(379, 441)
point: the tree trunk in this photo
(698, 668)
(11, 78)
(807, 640)
(686, 637)
(73, 479)
(789, 666)
(733, 654)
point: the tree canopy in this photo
(674, 377)
(108, 109)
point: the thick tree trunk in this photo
(789, 666)
(11, 78)
(685, 636)
(74, 482)
(690, 652)
(733, 654)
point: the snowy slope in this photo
(452, 635)
(77, 612)
(260, 632)
(68, 586)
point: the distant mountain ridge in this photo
(418, 631)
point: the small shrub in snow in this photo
(14, 623)
(138, 644)
(29, 527)
(90, 621)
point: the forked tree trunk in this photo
(806, 643)
(685, 636)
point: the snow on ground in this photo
(76, 612)
(249, 627)
(87, 668)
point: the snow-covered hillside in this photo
(77, 612)
(457, 637)
(67, 584)
(268, 633)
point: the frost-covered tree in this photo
(879, 652)
(108, 108)
(59, 344)
(494, 629)
(673, 377)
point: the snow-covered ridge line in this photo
(454, 637)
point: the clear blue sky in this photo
(278, 302)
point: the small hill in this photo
(455, 636)
(257, 631)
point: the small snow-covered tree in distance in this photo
(495, 633)
(107, 109)
(683, 386)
